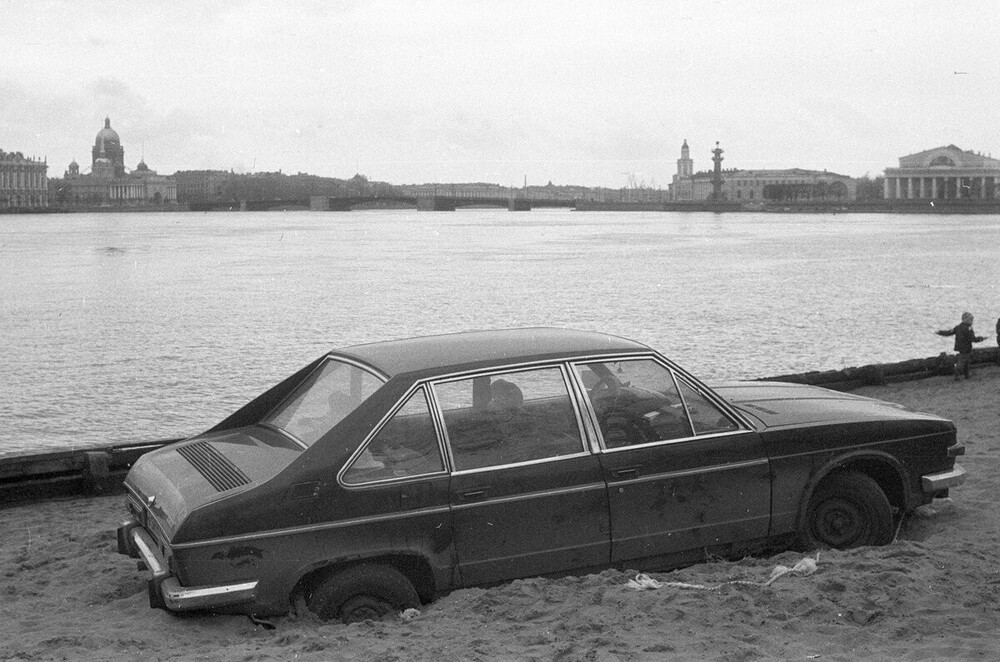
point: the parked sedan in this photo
(382, 475)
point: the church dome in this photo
(107, 136)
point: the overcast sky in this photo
(574, 92)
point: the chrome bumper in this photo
(943, 480)
(165, 590)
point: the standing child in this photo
(964, 337)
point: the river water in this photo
(126, 327)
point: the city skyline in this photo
(593, 94)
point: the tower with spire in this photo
(682, 188)
(685, 166)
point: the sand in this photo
(65, 593)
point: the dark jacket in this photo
(964, 337)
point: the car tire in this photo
(363, 592)
(848, 509)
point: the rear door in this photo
(528, 498)
(683, 474)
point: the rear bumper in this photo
(943, 480)
(165, 591)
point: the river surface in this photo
(123, 327)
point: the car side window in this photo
(325, 398)
(406, 445)
(706, 417)
(635, 401)
(507, 418)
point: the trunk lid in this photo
(171, 482)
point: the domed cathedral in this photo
(109, 183)
(108, 153)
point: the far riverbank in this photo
(584, 205)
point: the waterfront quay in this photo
(98, 470)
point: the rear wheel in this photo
(848, 509)
(363, 592)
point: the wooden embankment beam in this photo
(84, 471)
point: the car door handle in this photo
(472, 495)
(626, 472)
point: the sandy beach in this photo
(933, 594)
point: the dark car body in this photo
(424, 465)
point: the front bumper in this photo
(165, 591)
(943, 480)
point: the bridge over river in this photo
(445, 201)
(449, 201)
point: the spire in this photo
(107, 122)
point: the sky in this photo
(507, 92)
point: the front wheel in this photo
(847, 510)
(363, 592)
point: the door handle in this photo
(472, 495)
(626, 472)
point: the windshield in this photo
(325, 398)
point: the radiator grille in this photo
(215, 467)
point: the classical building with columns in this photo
(108, 183)
(944, 173)
(23, 182)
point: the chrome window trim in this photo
(312, 528)
(263, 420)
(704, 391)
(681, 440)
(568, 383)
(586, 411)
(677, 374)
(687, 410)
(511, 465)
(357, 364)
(592, 441)
(400, 403)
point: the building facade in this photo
(943, 173)
(204, 185)
(108, 183)
(759, 186)
(23, 182)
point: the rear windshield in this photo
(325, 398)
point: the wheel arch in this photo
(883, 468)
(413, 566)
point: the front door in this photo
(683, 475)
(528, 498)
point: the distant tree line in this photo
(870, 188)
(278, 186)
(803, 191)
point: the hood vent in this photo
(214, 466)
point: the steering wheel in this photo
(606, 386)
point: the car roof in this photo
(448, 352)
